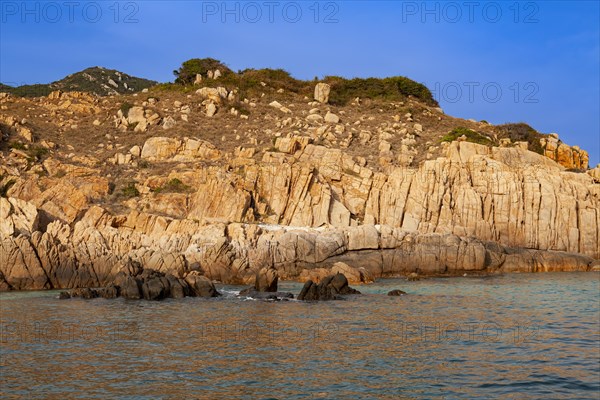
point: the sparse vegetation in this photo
(471, 136)
(37, 152)
(130, 191)
(173, 186)
(17, 146)
(351, 172)
(253, 82)
(60, 173)
(521, 132)
(274, 78)
(125, 107)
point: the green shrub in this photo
(521, 132)
(392, 89)
(125, 107)
(173, 186)
(130, 190)
(408, 87)
(472, 136)
(274, 78)
(186, 74)
(17, 146)
(37, 152)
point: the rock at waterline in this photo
(277, 296)
(413, 276)
(330, 288)
(265, 286)
(148, 284)
(396, 292)
(266, 280)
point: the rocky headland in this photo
(214, 181)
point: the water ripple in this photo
(514, 336)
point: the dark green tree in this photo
(186, 74)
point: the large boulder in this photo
(266, 280)
(200, 285)
(129, 287)
(160, 148)
(155, 286)
(331, 288)
(322, 92)
(136, 117)
(355, 276)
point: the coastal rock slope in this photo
(90, 187)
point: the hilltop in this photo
(97, 80)
(224, 172)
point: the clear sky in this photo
(502, 61)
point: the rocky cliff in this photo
(223, 185)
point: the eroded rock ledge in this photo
(100, 246)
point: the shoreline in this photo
(378, 280)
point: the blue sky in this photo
(536, 62)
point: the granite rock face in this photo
(571, 157)
(306, 207)
(100, 246)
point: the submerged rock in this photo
(330, 288)
(254, 294)
(396, 292)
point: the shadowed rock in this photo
(149, 285)
(396, 292)
(200, 285)
(330, 288)
(266, 280)
(265, 287)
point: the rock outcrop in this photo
(148, 284)
(332, 287)
(322, 91)
(97, 247)
(265, 287)
(567, 156)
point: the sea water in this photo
(521, 336)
